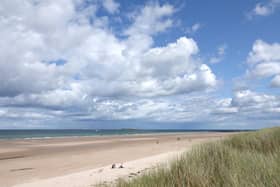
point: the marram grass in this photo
(248, 159)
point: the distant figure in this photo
(113, 166)
(121, 166)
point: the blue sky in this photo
(139, 64)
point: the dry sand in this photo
(85, 161)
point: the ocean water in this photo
(36, 134)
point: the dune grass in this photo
(247, 159)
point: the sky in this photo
(190, 64)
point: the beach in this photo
(86, 161)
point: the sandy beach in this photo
(86, 161)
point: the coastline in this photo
(41, 160)
(78, 133)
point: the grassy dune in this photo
(247, 159)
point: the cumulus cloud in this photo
(246, 106)
(264, 61)
(59, 56)
(224, 106)
(151, 19)
(247, 99)
(263, 51)
(68, 64)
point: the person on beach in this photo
(121, 166)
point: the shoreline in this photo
(119, 134)
(34, 160)
(111, 135)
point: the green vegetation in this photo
(247, 159)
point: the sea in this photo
(60, 133)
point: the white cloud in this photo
(221, 51)
(266, 69)
(107, 77)
(111, 6)
(152, 19)
(264, 52)
(246, 107)
(264, 9)
(247, 98)
(276, 81)
(194, 28)
(20, 114)
(175, 109)
(96, 63)
(224, 106)
(35, 43)
(264, 61)
(165, 70)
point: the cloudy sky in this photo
(153, 64)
